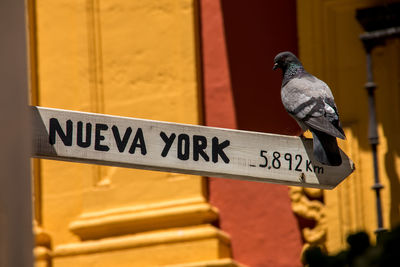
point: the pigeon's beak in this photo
(275, 66)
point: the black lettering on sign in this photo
(318, 169)
(308, 166)
(168, 143)
(66, 138)
(98, 137)
(300, 158)
(199, 144)
(288, 157)
(262, 152)
(121, 144)
(79, 140)
(138, 141)
(183, 147)
(276, 163)
(218, 150)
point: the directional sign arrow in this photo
(182, 148)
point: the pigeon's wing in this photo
(333, 115)
(324, 125)
(310, 101)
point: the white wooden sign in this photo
(172, 147)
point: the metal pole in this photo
(374, 139)
(380, 23)
(16, 238)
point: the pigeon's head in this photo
(284, 59)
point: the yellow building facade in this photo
(129, 58)
(330, 48)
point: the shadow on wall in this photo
(390, 165)
(252, 41)
(253, 38)
(248, 211)
(386, 67)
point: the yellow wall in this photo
(128, 58)
(330, 48)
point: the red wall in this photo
(239, 42)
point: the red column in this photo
(239, 42)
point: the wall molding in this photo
(174, 235)
(130, 220)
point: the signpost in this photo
(182, 148)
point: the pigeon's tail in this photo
(326, 149)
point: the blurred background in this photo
(206, 62)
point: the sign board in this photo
(182, 148)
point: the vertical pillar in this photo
(16, 239)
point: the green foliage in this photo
(386, 253)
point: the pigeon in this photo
(310, 102)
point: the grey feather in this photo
(323, 125)
(310, 102)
